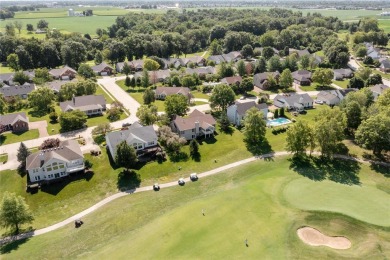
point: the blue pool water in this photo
(278, 121)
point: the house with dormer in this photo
(55, 163)
(142, 138)
(194, 125)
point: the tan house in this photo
(195, 125)
(234, 80)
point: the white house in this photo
(297, 102)
(138, 136)
(237, 111)
(55, 163)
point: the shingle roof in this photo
(10, 119)
(10, 91)
(60, 71)
(232, 80)
(100, 67)
(379, 88)
(57, 84)
(187, 123)
(201, 70)
(83, 101)
(259, 78)
(245, 106)
(301, 75)
(68, 150)
(291, 99)
(174, 90)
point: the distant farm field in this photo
(385, 25)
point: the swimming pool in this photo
(278, 121)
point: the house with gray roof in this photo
(17, 122)
(296, 102)
(233, 56)
(201, 71)
(197, 60)
(340, 74)
(378, 89)
(260, 80)
(155, 76)
(55, 163)
(57, 84)
(385, 66)
(7, 78)
(135, 65)
(163, 92)
(140, 137)
(194, 125)
(102, 69)
(21, 91)
(302, 77)
(91, 104)
(237, 111)
(64, 73)
(333, 97)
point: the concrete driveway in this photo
(41, 126)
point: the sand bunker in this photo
(314, 237)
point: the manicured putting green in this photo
(365, 203)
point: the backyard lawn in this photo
(341, 83)
(263, 202)
(9, 138)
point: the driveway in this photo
(41, 126)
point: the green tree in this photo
(241, 68)
(363, 73)
(147, 115)
(323, 77)
(13, 61)
(254, 127)
(10, 29)
(148, 96)
(145, 80)
(221, 97)
(374, 80)
(3, 104)
(329, 130)
(276, 113)
(356, 83)
(102, 129)
(273, 64)
(30, 27)
(247, 85)
(127, 81)
(223, 122)
(299, 137)
(41, 98)
(53, 117)
(267, 53)
(215, 48)
(20, 77)
(18, 25)
(22, 155)
(247, 51)
(384, 99)
(114, 113)
(176, 105)
(286, 79)
(73, 53)
(151, 65)
(98, 57)
(14, 211)
(194, 148)
(42, 75)
(125, 156)
(72, 120)
(261, 65)
(353, 113)
(305, 62)
(361, 52)
(86, 71)
(42, 24)
(126, 69)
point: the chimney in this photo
(42, 159)
(197, 127)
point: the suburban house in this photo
(136, 65)
(65, 73)
(340, 74)
(163, 92)
(155, 76)
(197, 60)
(385, 66)
(234, 80)
(372, 51)
(17, 91)
(378, 89)
(302, 77)
(51, 164)
(260, 80)
(201, 71)
(297, 102)
(237, 111)
(195, 125)
(7, 78)
(17, 122)
(57, 84)
(300, 53)
(171, 62)
(233, 56)
(103, 69)
(142, 138)
(91, 104)
(317, 59)
(333, 97)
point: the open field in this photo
(250, 202)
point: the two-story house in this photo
(91, 104)
(296, 102)
(237, 111)
(140, 137)
(51, 164)
(195, 125)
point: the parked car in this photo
(242, 97)
(181, 182)
(319, 101)
(126, 124)
(193, 177)
(156, 187)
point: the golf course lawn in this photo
(257, 202)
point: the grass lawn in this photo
(4, 69)
(9, 138)
(385, 25)
(3, 157)
(198, 94)
(341, 83)
(257, 202)
(315, 87)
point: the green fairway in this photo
(243, 203)
(365, 203)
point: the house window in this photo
(37, 178)
(193, 130)
(48, 169)
(182, 132)
(151, 143)
(62, 166)
(55, 167)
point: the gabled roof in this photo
(84, 102)
(11, 119)
(8, 77)
(202, 70)
(379, 88)
(187, 123)
(301, 75)
(67, 151)
(136, 131)
(59, 72)
(245, 106)
(10, 91)
(57, 84)
(385, 64)
(259, 78)
(100, 67)
(232, 80)
(173, 90)
(291, 99)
